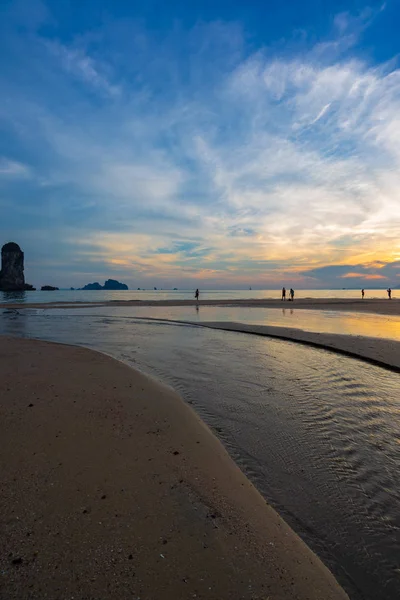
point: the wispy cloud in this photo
(76, 62)
(13, 169)
(368, 276)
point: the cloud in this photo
(76, 62)
(347, 31)
(321, 113)
(13, 169)
(369, 276)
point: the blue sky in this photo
(214, 144)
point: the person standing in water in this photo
(283, 294)
(362, 294)
(389, 292)
(196, 295)
(292, 294)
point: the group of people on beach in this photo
(291, 294)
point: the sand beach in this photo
(112, 487)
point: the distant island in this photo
(48, 288)
(110, 284)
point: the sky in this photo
(214, 144)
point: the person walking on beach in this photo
(389, 292)
(292, 294)
(362, 294)
(196, 295)
(283, 294)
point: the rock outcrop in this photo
(113, 284)
(110, 284)
(93, 286)
(48, 288)
(12, 277)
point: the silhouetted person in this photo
(292, 294)
(389, 292)
(362, 294)
(283, 293)
(196, 295)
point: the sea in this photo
(159, 294)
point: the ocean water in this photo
(146, 295)
(318, 433)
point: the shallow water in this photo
(318, 433)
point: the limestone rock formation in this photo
(113, 284)
(92, 286)
(110, 284)
(12, 277)
(12, 268)
(48, 288)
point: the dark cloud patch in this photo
(380, 274)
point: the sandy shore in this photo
(113, 488)
(381, 307)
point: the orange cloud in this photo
(378, 264)
(362, 276)
(120, 262)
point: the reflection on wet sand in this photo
(363, 324)
(348, 323)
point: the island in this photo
(48, 288)
(110, 284)
(92, 286)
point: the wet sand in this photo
(113, 488)
(381, 352)
(376, 306)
